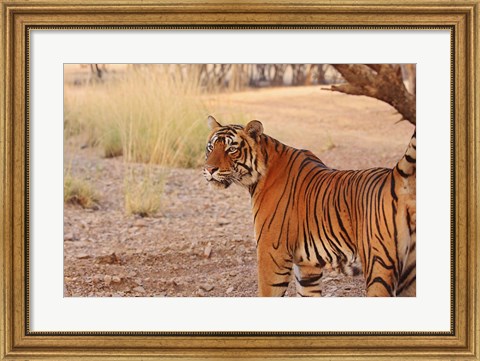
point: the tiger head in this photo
(233, 154)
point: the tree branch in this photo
(380, 81)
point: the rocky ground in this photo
(201, 242)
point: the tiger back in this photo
(309, 218)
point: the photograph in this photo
(170, 170)
(239, 180)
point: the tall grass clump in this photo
(143, 190)
(151, 115)
(79, 191)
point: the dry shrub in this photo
(143, 190)
(79, 191)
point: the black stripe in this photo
(273, 259)
(320, 260)
(408, 224)
(308, 282)
(383, 283)
(407, 285)
(392, 189)
(305, 245)
(410, 159)
(407, 272)
(401, 172)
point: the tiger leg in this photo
(410, 290)
(407, 285)
(307, 280)
(381, 282)
(274, 272)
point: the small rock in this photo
(108, 259)
(208, 251)
(222, 222)
(140, 223)
(83, 256)
(69, 237)
(229, 290)
(232, 274)
(183, 246)
(207, 287)
(116, 279)
(98, 278)
(107, 279)
(138, 281)
(139, 289)
(132, 274)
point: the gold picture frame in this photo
(18, 342)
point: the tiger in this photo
(310, 218)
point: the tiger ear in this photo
(212, 123)
(254, 129)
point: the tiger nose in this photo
(210, 169)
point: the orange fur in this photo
(310, 218)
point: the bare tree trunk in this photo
(309, 71)
(279, 72)
(321, 74)
(380, 81)
(238, 78)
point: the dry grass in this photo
(80, 192)
(148, 115)
(143, 192)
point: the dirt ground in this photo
(201, 242)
